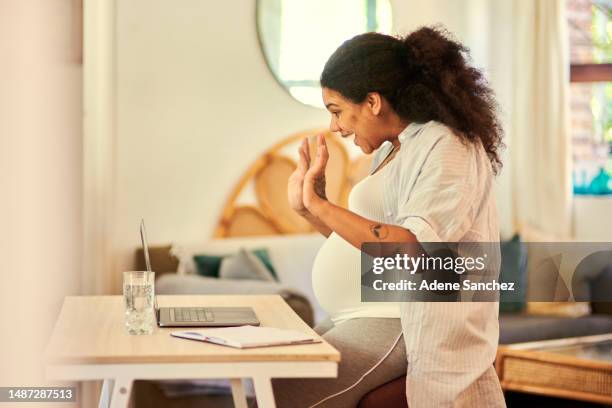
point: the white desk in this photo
(89, 343)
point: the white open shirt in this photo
(441, 189)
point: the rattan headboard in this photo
(269, 213)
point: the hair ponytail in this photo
(424, 76)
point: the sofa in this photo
(292, 257)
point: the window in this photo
(590, 31)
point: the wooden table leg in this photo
(238, 393)
(263, 392)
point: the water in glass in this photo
(138, 293)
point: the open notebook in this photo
(248, 336)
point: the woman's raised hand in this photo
(295, 186)
(314, 179)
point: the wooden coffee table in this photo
(89, 343)
(577, 368)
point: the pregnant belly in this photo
(336, 276)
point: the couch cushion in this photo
(601, 292)
(210, 265)
(161, 257)
(244, 265)
(513, 269)
(291, 255)
(522, 328)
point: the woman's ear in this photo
(374, 103)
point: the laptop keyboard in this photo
(193, 314)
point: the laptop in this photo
(197, 316)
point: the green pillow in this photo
(513, 269)
(208, 265)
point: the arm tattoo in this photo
(380, 231)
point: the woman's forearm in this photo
(317, 223)
(356, 229)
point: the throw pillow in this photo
(208, 265)
(244, 265)
(513, 269)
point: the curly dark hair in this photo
(424, 76)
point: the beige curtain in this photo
(98, 159)
(540, 140)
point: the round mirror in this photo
(297, 37)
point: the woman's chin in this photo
(365, 149)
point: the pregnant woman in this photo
(430, 120)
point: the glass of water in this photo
(138, 294)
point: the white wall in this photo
(592, 220)
(196, 104)
(40, 178)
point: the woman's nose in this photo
(333, 126)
